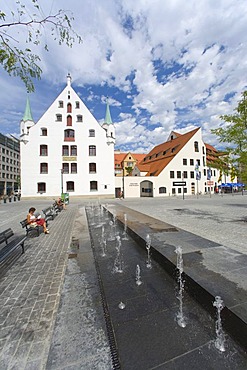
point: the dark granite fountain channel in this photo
(145, 334)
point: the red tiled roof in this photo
(159, 157)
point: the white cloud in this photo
(174, 61)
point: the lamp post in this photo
(61, 182)
(123, 182)
(183, 184)
(197, 178)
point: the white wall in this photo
(31, 159)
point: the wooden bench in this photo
(49, 213)
(30, 229)
(11, 243)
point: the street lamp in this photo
(183, 183)
(61, 181)
(123, 182)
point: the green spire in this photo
(108, 119)
(28, 114)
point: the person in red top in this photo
(33, 221)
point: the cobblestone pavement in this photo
(37, 294)
(30, 293)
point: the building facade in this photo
(67, 150)
(181, 165)
(9, 165)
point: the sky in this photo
(164, 65)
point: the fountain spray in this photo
(180, 315)
(220, 335)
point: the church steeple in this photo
(26, 123)
(108, 125)
(28, 113)
(108, 119)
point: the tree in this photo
(21, 61)
(235, 134)
(128, 170)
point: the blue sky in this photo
(165, 65)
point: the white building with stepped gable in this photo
(67, 150)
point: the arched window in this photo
(196, 146)
(43, 167)
(69, 108)
(162, 190)
(69, 120)
(92, 167)
(69, 135)
(70, 186)
(43, 151)
(93, 185)
(92, 150)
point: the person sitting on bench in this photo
(33, 221)
(60, 203)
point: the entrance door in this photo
(146, 189)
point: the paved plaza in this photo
(51, 313)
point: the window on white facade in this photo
(73, 150)
(70, 186)
(73, 167)
(65, 150)
(79, 118)
(65, 167)
(43, 132)
(69, 108)
(196, 146)
(93, 185)
(92, 133)
(162, 190)
(59, 117)
(41, 187)
(92, 167)
(92, 150)
(69, 135)
(43, 150)
(43, 167)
